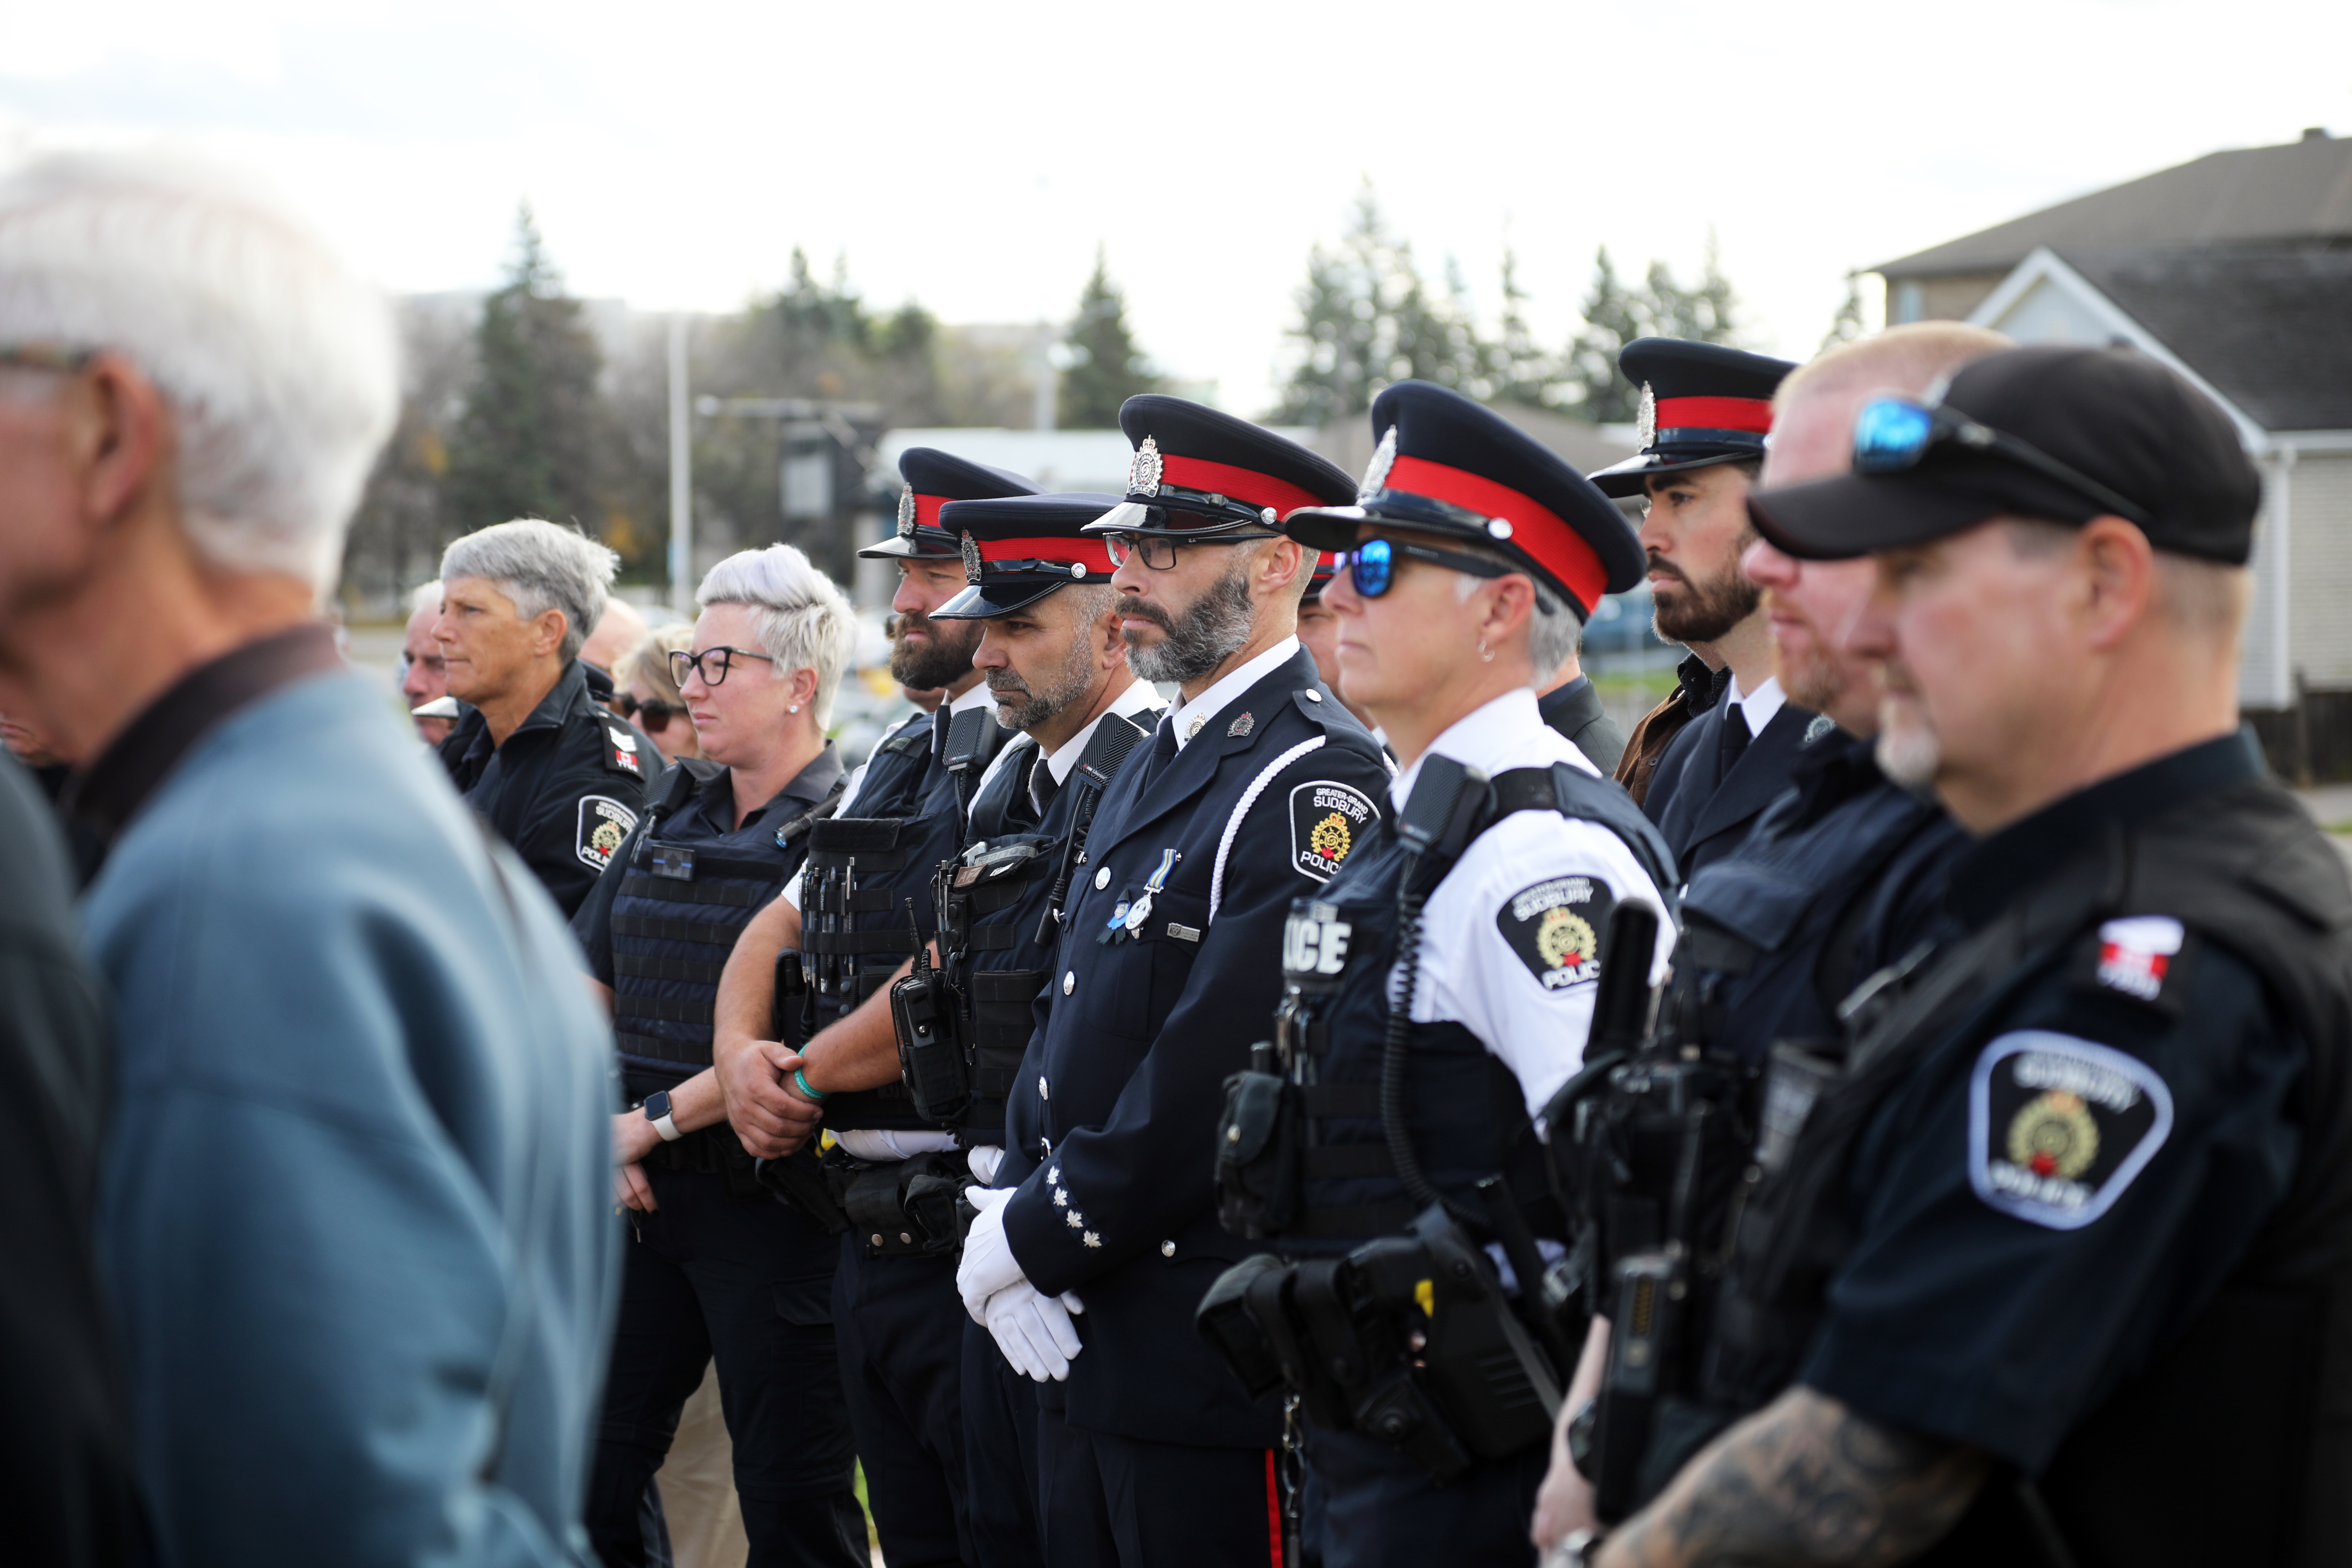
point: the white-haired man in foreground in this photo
(352, 1222)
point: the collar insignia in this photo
(906, 512)
(1645, 420)
(1143, 472)
(970, 559)
(1376, 473)
(1241, 726)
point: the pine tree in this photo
(1104, 368)
(530, 440)
(1519, 368)
(1846, 325)
(1614, 316)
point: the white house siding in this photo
(2320, 601)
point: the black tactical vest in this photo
(996, 934)
(1763, 951)
(680, 906)
(1463, 1110)
(2236, 1442)
(867, 893)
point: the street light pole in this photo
(681, 475)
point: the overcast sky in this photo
(973, 157)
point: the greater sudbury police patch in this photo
(2058, 1126)
(1325, 821)
(602, 825)
(1555, 928)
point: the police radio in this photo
(797, 1181)
(1650, 1142)
(930, 1056)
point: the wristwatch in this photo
(658, 1112)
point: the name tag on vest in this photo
(674, 861)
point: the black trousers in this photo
(902, 1326)
(1105, 1500)
(748, 1282)
(1368, 1506)
(1000, 1455)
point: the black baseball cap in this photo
(2059, 435)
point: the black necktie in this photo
(1164, 747)
(1733, 740)
(1042, 786)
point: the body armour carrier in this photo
(1358, 1123)
(2242, 869)
(962, 1032)
(867, 902)
(675, 918)
(1768, 931)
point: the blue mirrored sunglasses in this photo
(1892, 434)
(1372, 565)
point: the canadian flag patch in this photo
(2136, 954)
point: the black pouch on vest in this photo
(1224, 1321)
(797, 1181)
(930, 1187)
(1499, 1394)
(1258, 1135)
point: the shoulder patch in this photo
(603, 823)
(2058, 1126)
(2141, 957)
(1557, 928)
(1326, 820)
(621, 752)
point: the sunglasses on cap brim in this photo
(1372, 565)
(1892, 435)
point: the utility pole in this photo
(681, 474)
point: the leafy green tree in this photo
(527, 443)
(1367, 318)
(1104, 368)
(1846, 325)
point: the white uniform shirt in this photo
(1520, 878)
(1758, 706)
(1191, 718)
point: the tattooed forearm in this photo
(1804, 1481)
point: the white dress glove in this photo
(1034, 1330)
(988, 1263)
(983, 1159)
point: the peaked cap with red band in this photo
(1445, 465)
(1197, 471)
(931, 479)
(1702, 404)
(1018, 549)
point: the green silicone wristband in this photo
(799, 1076)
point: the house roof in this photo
(2269, 329)
(2300, 193)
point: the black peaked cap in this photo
(930, 478)
(1675, 433)
(1584, 549)
(1251, 471)
(1018, 549)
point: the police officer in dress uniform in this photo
(714, 1267)
(1845, 873)
(2052, 1265)
(1255, 788)
(1053, 660)
(1572, 707)
(535, 751)
(1452, 960)
(1704, 413)
(860, 907)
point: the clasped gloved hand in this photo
(1034, 1330)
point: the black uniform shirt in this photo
(707, 818)
(2067, 1177)
(567, 786)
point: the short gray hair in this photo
(426, 596)
(804, 619)
(1554, 628)
(280, 367)
(540, 567)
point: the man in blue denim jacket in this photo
(354, 1224)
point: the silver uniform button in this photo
(1314, 697)
(1069, 981)
(1167, 1249)
(1102, 878)
(1042, 1092)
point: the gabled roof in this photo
(2271, 330)
(2297, 194)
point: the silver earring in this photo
(794, 709)
(1486, 653)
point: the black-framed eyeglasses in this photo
(1158, 550)
(713, 662)
(1892, 434)
(1372, 565)
(653, 715)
